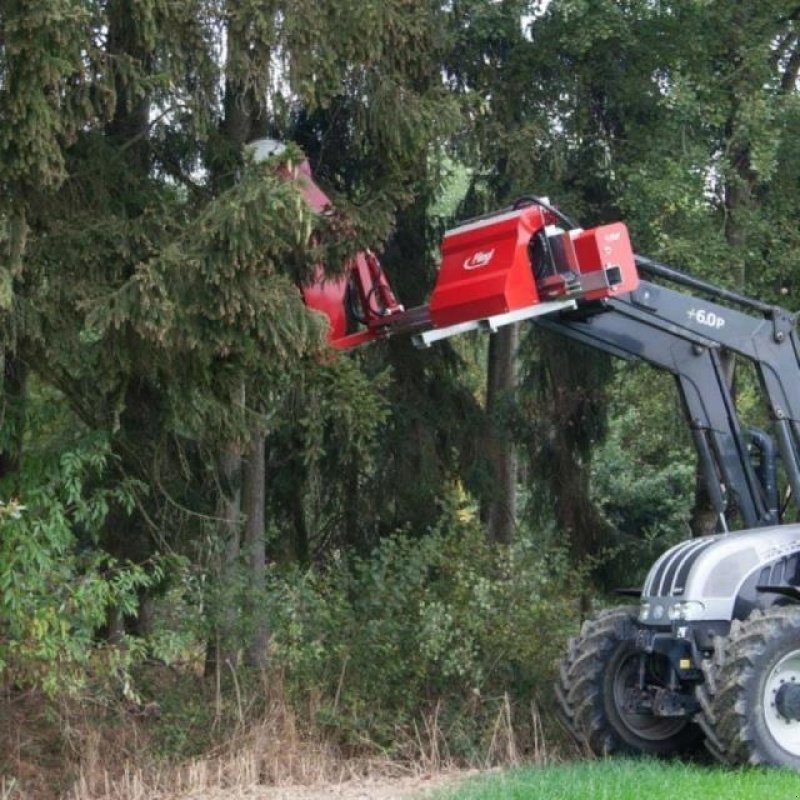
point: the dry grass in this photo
(273, 753)
(267, 755)
(73, 756)
(266, 761)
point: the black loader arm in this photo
(694, 361)
(767, 336)
(683, 332)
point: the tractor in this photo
(707, 650)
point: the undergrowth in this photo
(443, 628)
(433, 651)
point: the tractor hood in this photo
(702, 578)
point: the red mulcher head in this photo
(359, 305)
(518, 261)
(496, 269)
(356, 303)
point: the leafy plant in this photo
(440, 620)
(56, 590)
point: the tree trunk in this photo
(300, 545)
(15, 378)
(576, 418)
(127, 535)
(244, 118)
(131, 121)
(704, 520)
(222, 648)
(738, 190)
(578, 519)
(498, 510)
(15, 369)
(253, 500)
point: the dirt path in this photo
(408, 788)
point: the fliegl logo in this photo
(480, 259)
(614, 236)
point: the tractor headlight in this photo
(686, 610)
(651, 612)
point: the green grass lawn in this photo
(620, 779)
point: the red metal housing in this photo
(323, 294)
(490, 268)
(362, 286)
(496, 269)
(485, 268)
(602, 250)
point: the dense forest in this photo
(204, 510)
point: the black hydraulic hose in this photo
(530, 198)
(709, 472)
(676, 276)
(767, 472)
(520, 202)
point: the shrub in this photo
(55, 588)
(443, 622)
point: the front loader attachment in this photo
(498, 269)
(518, 259)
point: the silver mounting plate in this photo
(491, 324)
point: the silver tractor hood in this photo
(700, 579)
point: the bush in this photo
(441, 624)
(643, 476)
(55, 588)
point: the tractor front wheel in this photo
(597, 676)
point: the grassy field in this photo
(620, 779)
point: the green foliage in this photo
(151, 320)
(642, 473)
(642, 494)
(442, 619)
(647, 502)
(56, 590)
(326, 441)
(218, 305)
(43, 47)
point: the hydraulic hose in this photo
(676, 276)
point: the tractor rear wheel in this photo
(596, 675)
(754, 708)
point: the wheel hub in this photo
(634, 706)
(787, 701)
(782, 702)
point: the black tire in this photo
(599, 664)
(757, 657)
(706, 718)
